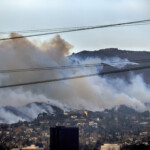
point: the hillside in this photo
(132, 56)
(114, 52)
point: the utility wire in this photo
(75, 77)
(51, 80)
(125, 70)
(74, 66)
(61, 29)
(50, 68)
(40, 30)
(79, 29)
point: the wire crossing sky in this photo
(81, 29)
(27, 15)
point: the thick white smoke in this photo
(92, 93)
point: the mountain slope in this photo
(132, 56)
(9, 114)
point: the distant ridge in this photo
(113, 52)
(110, 53)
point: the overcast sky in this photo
(41, 14)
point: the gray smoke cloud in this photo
(92, 93)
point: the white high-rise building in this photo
(32, 147)
(110, 147)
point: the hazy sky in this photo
(41, 14)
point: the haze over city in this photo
(75, 75)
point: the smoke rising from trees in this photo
(92, 93)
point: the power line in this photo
(125, 70)
(75, 77)
(48, 81)
(40, 30)
(50, 68)
(61, 29)
(80, 29)
(74, 66)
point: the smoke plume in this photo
(92, 93)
